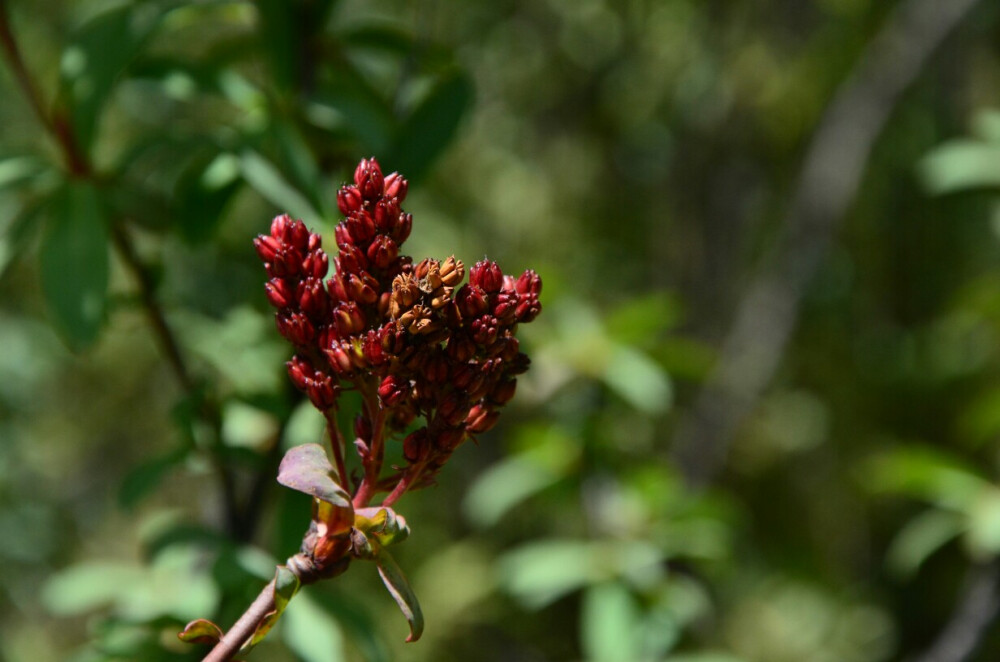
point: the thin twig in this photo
(975, 610)
(829, 180)
(243, 628)
(57, 125)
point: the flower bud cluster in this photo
(408, 336)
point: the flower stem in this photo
(337, 443)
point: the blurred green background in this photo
(646, 496)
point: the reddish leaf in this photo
(201, 631)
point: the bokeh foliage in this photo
(639, 154)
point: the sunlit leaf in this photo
(638, 380)
(924, 473)
(74, 263)
(307, 469)
(265, 178)
(608, 619)
(920, 537)
(961, 164)
(312, 633)
(286, 585)
(542, 572)
(984, 524)
(395, 581)
(361, 628)
(639, 321)
(383, 524)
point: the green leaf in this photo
(540, 573)
(347, 101)
(639, 321)
(202, 193)
(920, 537)
(311, 633)
(961, 164)
(354, 618)
(608, 618)
(639, 380)
(265, 178)
(144, 478)
(307, 469)
(286, 585)
(425, 133)
(924, 473)
(200, 631)
(395, 581)
(503, 486)
(17, 169)
(100, 51)
(383, 524)
(983, 536)
(74, 263)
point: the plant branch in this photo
(57, 125)
(243, 628)
(976, 609)
(828, 182)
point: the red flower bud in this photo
(312, 298)
(316, 264)
(351, 260)
(362, 427)
(393, 390)
(528, 307)
(322, 392)
(361, 227)
(368, 178)
(343, 236)
(484, 329)
(436, 370)
(336, 287)
(416, 445)
(362, 289)
(487, 275)
(382, 251)
(339, 357)
(461, 348)
(281, 228)
(395, 187)
(481, 419)
(278, 293)
(503, 392)
(267, 248)
(472, 301)
(386, 215)
(529, 282)
(300, 372)
(506, 305)
(296, 327)
(349, 199)
(453, 410)
(404, 224)
(348, 319)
